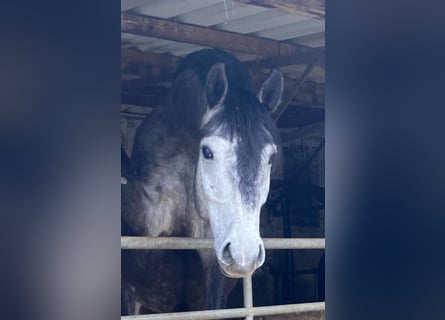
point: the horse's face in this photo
(233, 207)
(232, 180)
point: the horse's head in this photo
(237, 150)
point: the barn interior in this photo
(285, 34)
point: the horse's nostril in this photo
(227, 255)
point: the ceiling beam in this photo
(309, 8)
(276, 62)
(280, 110)
(313, 129)
(299, 116)
(144, 100)
(310, 93)
(164, 66)
(154, 67)
(170, 62)
(165, 29)
(148, 58)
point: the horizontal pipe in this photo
(232, 313)
(177, 243)
(294, 243)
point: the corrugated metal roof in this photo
(169, 9)
(228, 16)
(218, 13)
(224, 15)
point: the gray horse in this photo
(201, 167)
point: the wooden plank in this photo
(164, 66)
(140, 99)
(314, 129)
(310, 93)
(301, 58)
(314, 40)
(308, 162)
(298, 87)
(165, 29)
(301, 116)
(170, 62)
(150, 58)
(161, 67)
(309, 8)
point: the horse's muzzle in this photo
(238, 261)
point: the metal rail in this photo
(247, 295)
(232, 313)
(177, 243)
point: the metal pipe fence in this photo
(232, 313)
(177, 243)
(247, 295)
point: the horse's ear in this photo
(272, 90)
(216, 85)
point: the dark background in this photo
(60, 142)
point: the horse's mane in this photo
(243, 117)
(201, 61)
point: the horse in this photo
(200, 167)
(146, 273)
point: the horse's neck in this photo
(165, 155)
(167, 185)
(186, 104)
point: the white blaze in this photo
(234, 224)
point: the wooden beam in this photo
(153, 67)
(309, 94)
(134, 109)
(165, 29)
(163, 67)
(148, 58)
(301, 58)
(147, 81)
(300, 116)
(170, 62)
(310, 8)
(313, 40)
(299, 85)
(314, 129)
(308, 162)
(143, 100)
(153, 90)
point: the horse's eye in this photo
(272, 158)
(207, 153)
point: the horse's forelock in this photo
(246, 122)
